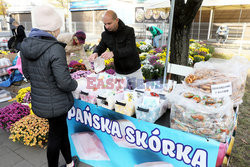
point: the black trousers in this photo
(13, 32)
(58, 141)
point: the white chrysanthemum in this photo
(145, 62)
(161, 61)
(190, 61)
(148, 67)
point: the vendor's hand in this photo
(107, 55)
(93, 57)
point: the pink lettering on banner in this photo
(90, 83)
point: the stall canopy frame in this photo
(171, 16)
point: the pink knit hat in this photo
(46, 18)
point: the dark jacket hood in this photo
(37, 43)
(121, 26)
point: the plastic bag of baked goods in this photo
(195, 112)
(219, 78)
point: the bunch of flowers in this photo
(27, 98)
(158, 50)
(143, 47)
(190, 60)
(198, 51)
(153, 67)
(30, 130)
(22, 93)
(152, 52)
(143, 56)
(72, 63)
(198, 58)
(80, 61)
(4, 52)
(12, 113)
(153, 59)
(109, 64)
(162, 56)
(77, 66)
(153, 64)
(110, 71)
(79, 74)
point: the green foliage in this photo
(207, 57)
(197, 58)
(211, 49)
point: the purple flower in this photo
(27, 98)
(79, 74)
(153, 59)
(110, 71)
(158, 50)
(12, 113)
(72, 63)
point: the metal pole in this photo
(169, 39)
(163, 36)
(242, 37)
(210, 24)
(239, 22)
(199, 25)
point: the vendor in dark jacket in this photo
(120, 39)
(44, 64)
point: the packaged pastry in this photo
(218, 77)
(198, 113)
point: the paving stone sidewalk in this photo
(15, 154)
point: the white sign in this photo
(222, 90)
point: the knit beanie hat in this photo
(46, 18)
(81, 36)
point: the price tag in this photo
(222, 90)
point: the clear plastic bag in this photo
(127, 105)
(218, 71)
(106, 98)
(94, 150)
(150, 109)
(5, 62)
(195, 112)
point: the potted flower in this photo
(12, 113)
(31, 130)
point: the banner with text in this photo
(104, 138)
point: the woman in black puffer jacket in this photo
(44, 64)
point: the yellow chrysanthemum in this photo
(80, 61)
(109, 61)
(30, 130)
(191, 57)
(21, 94)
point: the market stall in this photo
(110, 124)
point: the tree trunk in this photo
(184, 13)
